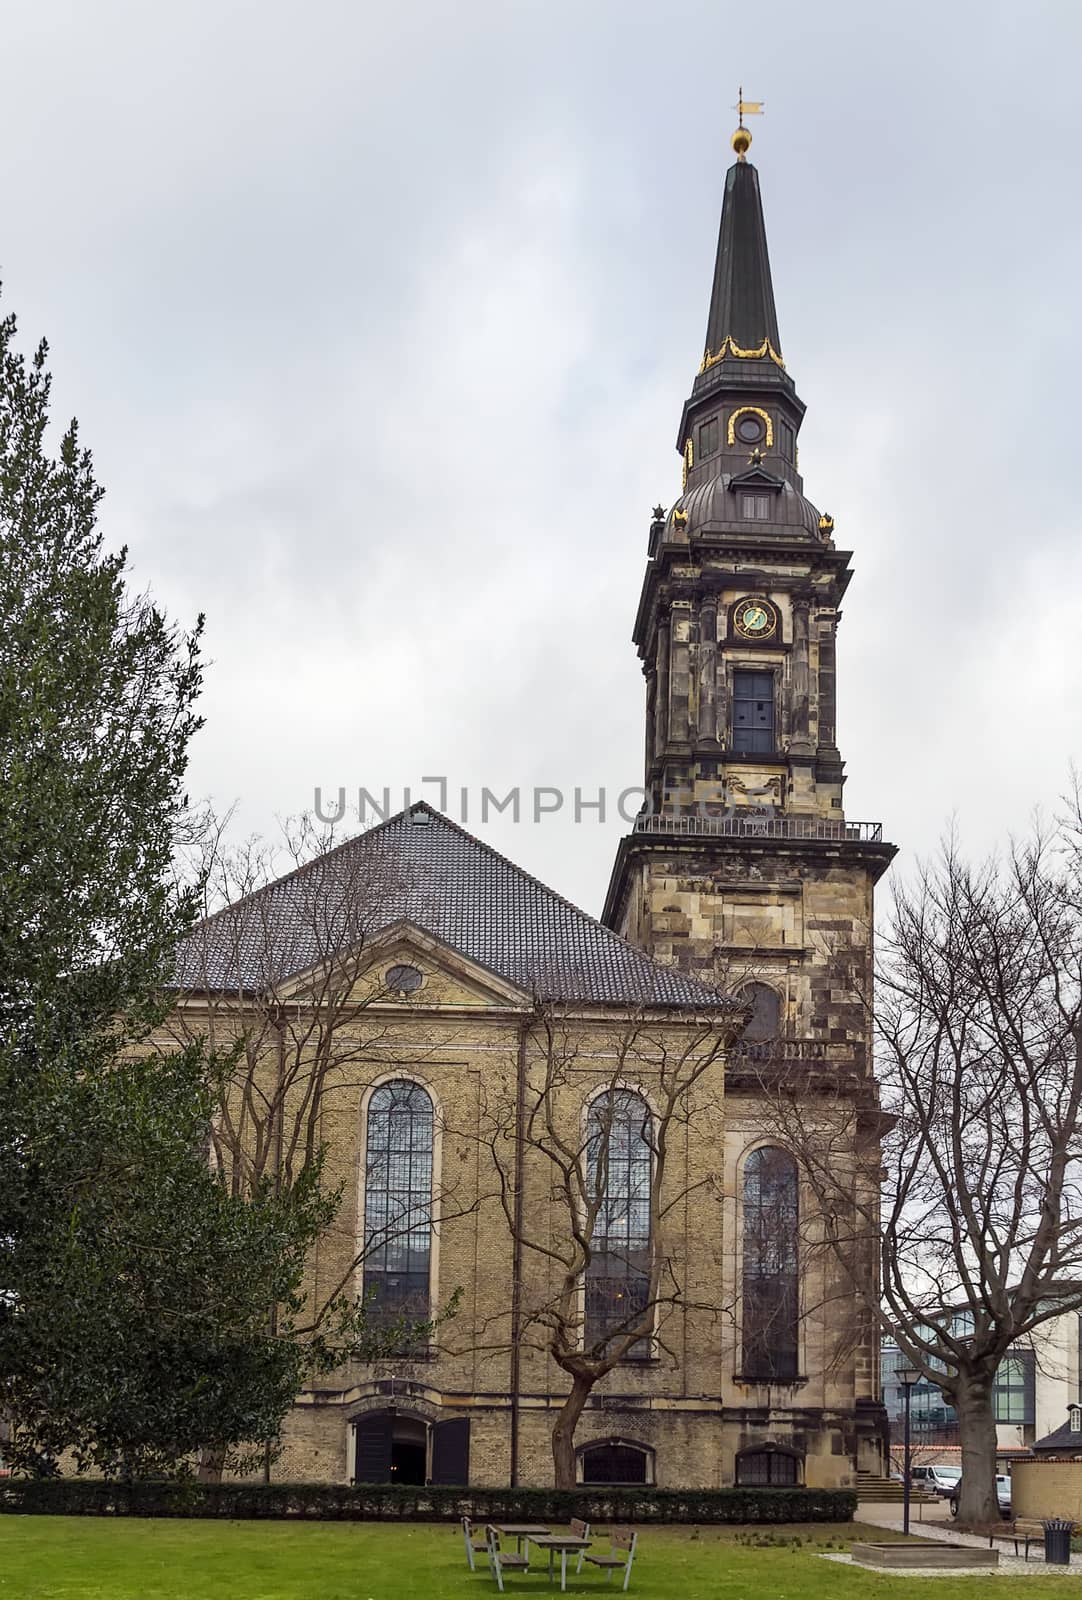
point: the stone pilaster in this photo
(708, 668)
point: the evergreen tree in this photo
(134, 1289)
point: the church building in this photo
(463, 1041)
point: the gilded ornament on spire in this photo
(741, 140)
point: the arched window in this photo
(769, 1467)
(765, 1015)
(771, 1284)
(615, 1461)
(618, 1170)
(398, 1202)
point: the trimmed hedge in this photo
(91, 1497)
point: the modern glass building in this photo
(1033, 1389)
(933, 1421)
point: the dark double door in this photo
(399, 1447)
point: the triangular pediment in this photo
(756, 478)
(449, 979)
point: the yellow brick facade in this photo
(1042, 1489)
(460, 1037)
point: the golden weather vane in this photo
(745, 108)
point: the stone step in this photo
(870, 1487)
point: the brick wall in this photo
(1047, 1489)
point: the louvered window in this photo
(765, 1015)
(753, 712)
(755, 507)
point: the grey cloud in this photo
(379, 324)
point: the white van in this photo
(938, 1477)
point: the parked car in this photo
(938, 1477)
(1003, 1495)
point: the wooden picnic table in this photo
(561, 1542)
(520, 1530)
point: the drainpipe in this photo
(516, 1253)
(278, 1150)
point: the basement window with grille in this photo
(615, 1461)
(769, 1468)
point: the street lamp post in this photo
(907, 1375)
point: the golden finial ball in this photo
(741, 142)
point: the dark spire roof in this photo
(742, 301)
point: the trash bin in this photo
(1057, 1541)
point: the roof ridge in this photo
(555, 894)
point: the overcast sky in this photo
(379, 320)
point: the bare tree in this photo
(592, 1181)
(964, 1182)
(275, 979)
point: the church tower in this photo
(743, 864)
(743, 869)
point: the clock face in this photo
(755, 619)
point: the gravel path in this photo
(935, 1526)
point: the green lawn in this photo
(90, 1558)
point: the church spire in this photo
(742, 361)
(742, 316)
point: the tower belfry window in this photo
(708, 438)
(753, 712)
(765, 1014)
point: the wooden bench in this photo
(502, 1561)
(1023, 1531)
(474, 1546)
(581, 1530)
(620, 1556)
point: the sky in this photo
(379, 321)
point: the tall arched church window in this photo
(618, 1170)
(765, 1015)
(398, 1202)
(770, 1305)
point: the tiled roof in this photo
(423, 868)
(1062, 1441)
